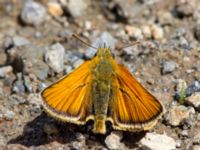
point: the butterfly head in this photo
(104, 53)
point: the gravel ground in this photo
(36, 49)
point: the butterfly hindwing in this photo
(69, 98)
(132, 106)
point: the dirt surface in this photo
(168, 56)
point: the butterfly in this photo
(103, 91)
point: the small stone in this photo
(5, 71)
(19, 41)
(77, 145)
(18, 87)
(158, 141)
(185, 9)
(113, 140)
(146, 30)
(196, 139)
(157, 32)
(177, 114)
(196, 147)
(77, 7)
(184, 133)
(54, 9)
(33, 13)
(16, 99)
(16, 147)
(54, 57)
(189, 122)
(194, 87)
(168, 67)
(134, 32)
(9, 115)
(105, 39)
(194, 100)
(178, 143)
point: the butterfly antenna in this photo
(87, 44)
(132, 44)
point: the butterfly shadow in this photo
(43, 130)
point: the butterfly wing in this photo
(132, 107)
(69, 98)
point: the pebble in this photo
(156, 141)
(178, 143)
(194, 87)
(18, 87)
(104, 39)
(184, 133)
(19, 41)
(5, 71)
(194, 100)
(177, 113)
(196, 147)
(54, 57)
(77, 7)
(9, 115)
(196, 139)
(16, 99)
(33, 13)
(157, 32)
(112, 141)
(55, 9)
(16, 147)
(146, 30)
(168, 67)
(134, 32)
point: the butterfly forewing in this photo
(133, 107)
(69, 98)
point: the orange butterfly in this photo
(102, 90)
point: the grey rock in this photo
(112, 141)
(168, 67)
(77, 8)
(16, 99)
(197, 32)
(196, 147)
(9, 115)
(19, 41)
(194, 87)
(184, 133)
(29, 60)
(178, 143)
(33, 13)
(18, 87)
(5, 71)
(104, 40)
(185, 9)
(158, 141)
(177, 113)
(54, 57)
(194, 100)
(196, 139)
